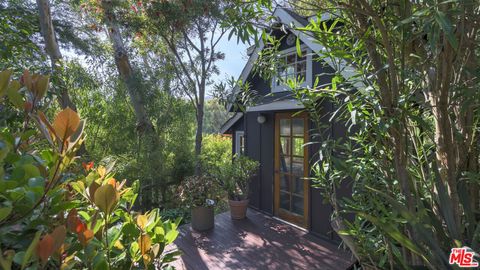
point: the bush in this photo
(216, 150)
(53, 213)
(234, 176)
(199, 191)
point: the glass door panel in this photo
(291, 156)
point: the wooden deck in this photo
(258, 242)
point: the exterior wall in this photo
(260, 146)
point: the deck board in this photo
(258, 242)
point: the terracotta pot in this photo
(202, 218)
(238, 209)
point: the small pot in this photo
(238, 209)
(202, 218)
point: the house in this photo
(279, 135)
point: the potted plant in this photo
(199, 193)
(235, 178)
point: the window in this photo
(239, 143)
(291, 67)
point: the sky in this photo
(235, 59)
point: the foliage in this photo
(408, 107)
(215, 116)
(234, 176)
(199, 191)
(191, 32)
(217, 150)
(40, 183)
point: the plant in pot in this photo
(235, 178)
(199, 193)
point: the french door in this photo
(291, 168)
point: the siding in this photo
(260, 147)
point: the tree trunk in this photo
(53, 51)
(199, 138)
(128, 74)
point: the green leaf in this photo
(447, 28)
(4, 212)
(171, 236)
(14, 96)
(31, 248)
(299, 48)
(4, 79)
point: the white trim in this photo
(308, 72)
(289, 104)
(230, 122)
(239, 134)
(346, 70)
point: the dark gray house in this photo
(277, 133)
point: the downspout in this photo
(260, 167)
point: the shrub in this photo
(198, 191)
(55, 215)
(235, 176)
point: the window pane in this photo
(297, 183)
(290, 70)
(304, 56)
(301, 67)
(285, 200)
(297, 205)
(297, 146)
(297, 166)
(297, 126)
(284, 126)
(285, 145)
(285, 182)
(285, 163)
(291, 58)
(242, 144)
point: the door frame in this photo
(282, 214)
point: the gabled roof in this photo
(289, 17)
(230, 122)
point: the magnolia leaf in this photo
(85, 237)
(92, 189)
(41, 86)
(45, 248)
(27, 79)
(106, 197)
(59, 235)
(75, 138)
(31, 248)
(66, 123)
(4, 212)
(14, 96)
(4, 79)
(101, 171)
(171, 236)
(45, 121)
(142, 221)
(112, 182)
(145, 243)
(72, 220)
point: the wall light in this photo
(261, 119)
